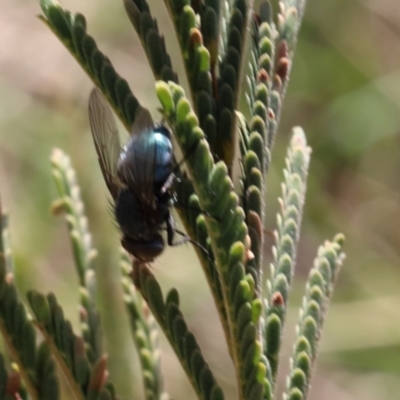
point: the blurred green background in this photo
(344, 92)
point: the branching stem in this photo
(30, 386)
(75, 388)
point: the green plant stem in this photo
(88, 73)
(220, 307)
(300, 6)
(235, 350)
(161, 322)
(75, 388)
(30, 386)
(185, 64)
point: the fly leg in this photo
(171, 232)
(172, 176)
(185, 238)
(168, 183)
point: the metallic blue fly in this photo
(138, 176)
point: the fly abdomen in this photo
(139, 220)
(145, 251)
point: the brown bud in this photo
(277, 84)
(271, 114)
(13, 384)
(99, 374)
(283, 68)
(262, 76)
(196, 38)
(283, 49)
(57, 207)
(277, 299)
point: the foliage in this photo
(228, 227)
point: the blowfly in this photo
(138, 176)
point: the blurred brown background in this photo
(344, 92)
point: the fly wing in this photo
(138, 170)
(143, 122)
(106, 139)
